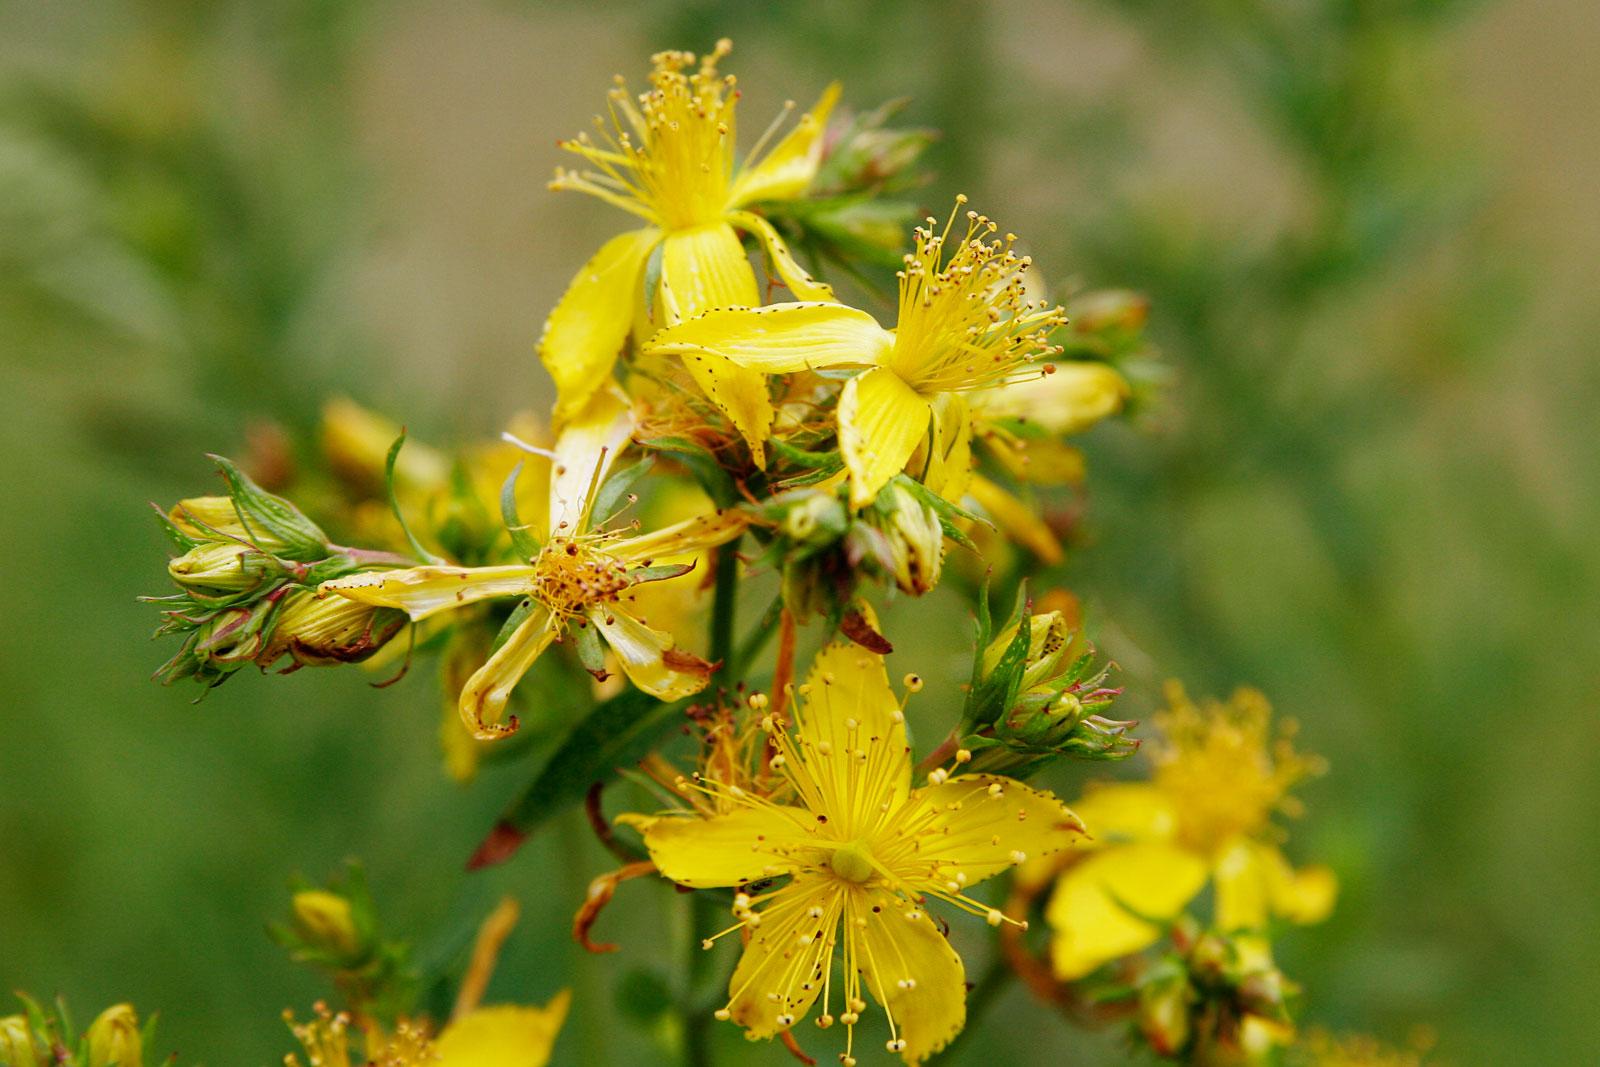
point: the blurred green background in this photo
(1367, 228)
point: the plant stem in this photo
(724, 601)
(702, 907)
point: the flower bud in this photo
(17, 1046)
(224, 566)
(1108, 309)
(916, 542)
(318, 630)
(1049, 638)
(356, 442)
(1164, 1013)
(216, 518)
(114, 1038)
(812, 518)
(325, 922)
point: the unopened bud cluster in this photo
(1037, 695)
(247, 572)
(1213, 998)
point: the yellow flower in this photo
(114, 1038)
(965, 325)
(497, 1036)
(17, 1045)
(326, 921)
(862, 851)
(1206, 817)
(668, 157)
(579, 578)
(1321, 1049)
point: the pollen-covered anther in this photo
(994, 918)
(722, 1015)
(824, 1021)
(963, 756)
(937, 776)
(895, 1044)
(913, 683)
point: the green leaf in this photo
(616, 734)
(394, 502)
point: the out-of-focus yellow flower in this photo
(497, 1036)
(115, 1040)
(861, 850)
(579, 578)
(668, 156)
(460, 513)
(1321, 1049)
(327, 921)
(1070, 400)
(1021, 426)
(17, 1045)
(965, 325)
(1206, 816)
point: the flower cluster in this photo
(724, 419)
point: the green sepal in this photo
(260, 510)
(591, 653)
(523, 543)
(613, 495)
(716, 482)
(394, 503)
(659, 572)
(992, 694)
(830, 461)
(523, 609)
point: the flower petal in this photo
(801, 284)
(725, 850)
(947, 459)
(586, 450)
(1070, 400)
(483, 699)
(881, 422)
(505, 1035)
(648, 657)
(1016, 519)
(973, 829)
(689, 536)
(785, 172)
(705, 267)
(585, 331)
(780, 338)
(779, 975)
(1254, 883)
(1119, 813)
(424, 591)
(911, 970)
(1101, 907)
(848, 709)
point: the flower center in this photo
(965, 318)
(570, 574)
(852, 862)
